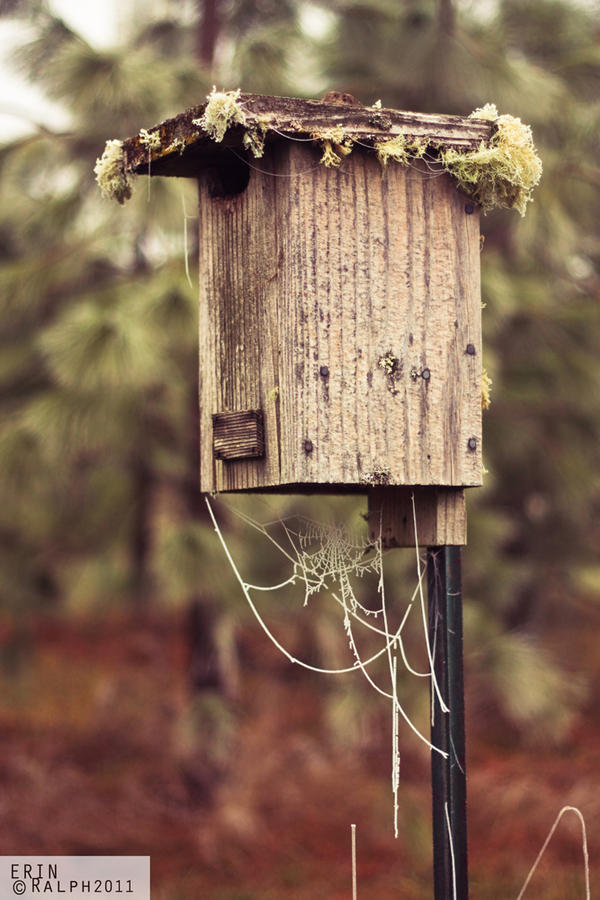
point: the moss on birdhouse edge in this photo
(499, 169)
(223, 109)
(501, 173)
(486, 390)
(399, 149)
(110, 173)
(150, 140)
(254, 139)
(335, 144)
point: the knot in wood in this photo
(341, 97)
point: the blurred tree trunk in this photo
(208, 31)
(210, 634)
(141, 531)
(446, 17)
(212, 653)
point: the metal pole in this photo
(448, 776)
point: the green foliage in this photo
(185, 561)
(102, 347)
(98, 353)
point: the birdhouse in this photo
(340, 308)
(340, 334)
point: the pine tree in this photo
(98, 351)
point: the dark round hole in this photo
(228, 177)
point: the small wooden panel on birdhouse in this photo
(238, 435)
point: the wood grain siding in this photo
(341, 302)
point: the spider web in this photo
(325, 559)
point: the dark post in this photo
(448, 776)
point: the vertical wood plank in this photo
(440, 515)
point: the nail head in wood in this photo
(238, 435)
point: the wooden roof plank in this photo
(185, 145)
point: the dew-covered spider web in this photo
(326, 561)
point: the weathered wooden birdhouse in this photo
(340, 332)
(340, 335)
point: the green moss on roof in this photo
(502, 172)
(223, 109)
(495, 164)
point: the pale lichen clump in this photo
(388, 363)
(335, 144)
(399, 149)
(486, 390)
(380, 475)
(177, 145)
(110, 173)
(502, 172)
(488, 111)
(392, 367)
(150, 140)
(254, 139)
(222, 111)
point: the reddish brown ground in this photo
(98, 757)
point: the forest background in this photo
(141, 710)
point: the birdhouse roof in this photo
(192, 139)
